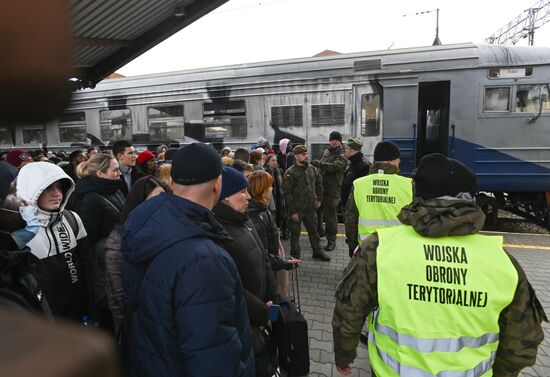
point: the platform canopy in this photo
(109, 34)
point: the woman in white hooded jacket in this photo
(57, 238)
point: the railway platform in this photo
(318, 282)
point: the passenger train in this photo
(485, 105)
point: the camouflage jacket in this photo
(356, 294)
(351, 212)
(332, 164)
(301, 188)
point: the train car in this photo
(485, 105)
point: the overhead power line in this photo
(436, 41)
(523, 26)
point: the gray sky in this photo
(245, 31)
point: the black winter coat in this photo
(268, 232)
(285, 162)
(265, 226)
(278, 196)
(113, 277)
(99, 203)
(357, 168)
(135, 174)
(251, 259)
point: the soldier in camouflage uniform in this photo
(386, 160)
(302, 193)
(443, 213)
(332, 164)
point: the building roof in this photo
(326, 53)
(109, 34)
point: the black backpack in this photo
(19, 290)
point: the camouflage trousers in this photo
(310, 222)
(330, 215)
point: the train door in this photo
(368, 114)
(433, 118)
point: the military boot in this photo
(321, 231)
(320, 254)
(331, 245)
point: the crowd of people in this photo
(84, 228)
(178, 253)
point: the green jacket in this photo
(351, 212)
(332, 164)
(356, 294)
(301, 188)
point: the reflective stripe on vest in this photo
(377, 224)
(411, 371)
(379, 198)
(438, 304)
(436, 345)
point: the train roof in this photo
(443, 57)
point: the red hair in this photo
(259, 183)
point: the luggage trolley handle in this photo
(296, 289)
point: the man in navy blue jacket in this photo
(190, 317)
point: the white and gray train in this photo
(487, 106)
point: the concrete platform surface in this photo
(318, 282)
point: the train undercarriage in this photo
(532, 206)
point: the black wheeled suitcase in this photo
(291, 337)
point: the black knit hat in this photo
(437, 175)
(386, 151)
(196, 163)
(335, 135)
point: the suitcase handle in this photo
(296, 288)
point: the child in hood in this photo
(56, 237)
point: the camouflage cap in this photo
(355, 143)
(299, 149)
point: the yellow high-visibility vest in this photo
(379, 198)
(439, 304)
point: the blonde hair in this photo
(227, 161)
(98, 162)
(163, 173)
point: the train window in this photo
(370, 115)
(224, 118)
(507, 73)
(34, 135)
(116, 124)
(5, 136)
(72, 128)
(287, 116)
(496, 99)
(328, 115)
(529, 97)
(166, 122)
